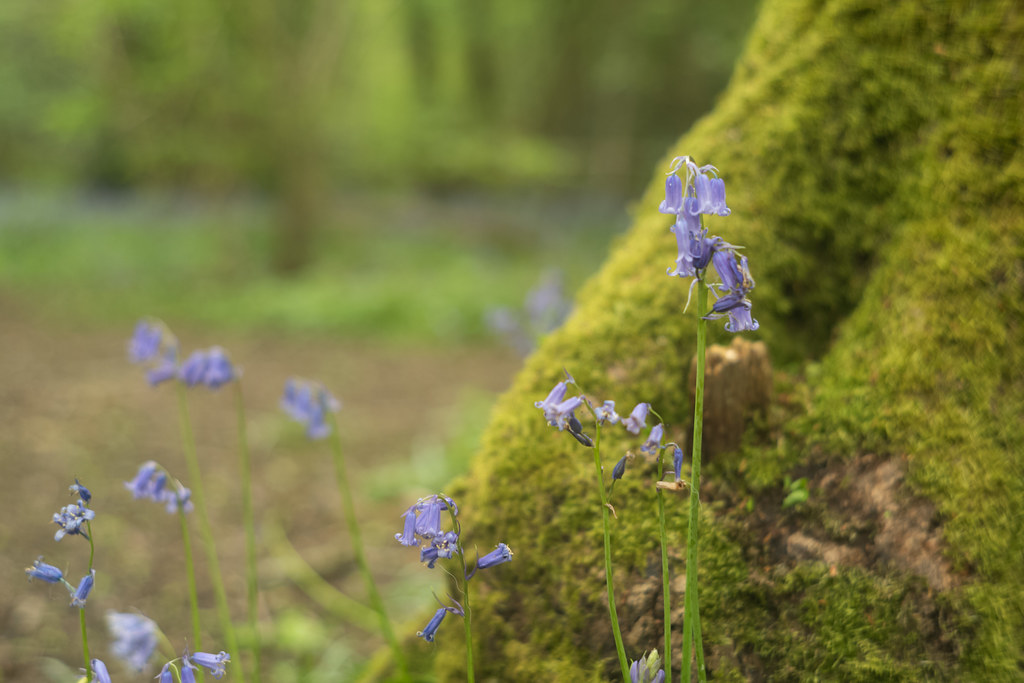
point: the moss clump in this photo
(873, 156)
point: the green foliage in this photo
(449, 93)
(207, 267)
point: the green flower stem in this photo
(665, 596)
(612, 613)
(92, 546)
(205, 530)
(355, 537)
(85, 645)
(467, 616)
(691, 616)
(81, 611)
(251, 581)
(190, 571)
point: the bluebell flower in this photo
(637, 419)
(441, 546)
(620, 468)
(737, 281)
(647, 669)
(428, 523)
(135, 638)
(653, 443)
(145, 342)
(45, 572)
(214, 663)
(70, 520)
(151, 482)
(430, 629)
(219, 370)
(673, 202)
(309, 403)
(561, 414)
(710, 194)
(677, 463)
(555, 398)
(423, 519)
(166, 675)
(188, 672)
(193, 369)
(499, 555)
(80, 491)
(99, 671)
(408, 535)
(606, 413)
(165, 369)
(154, 345)
(84, 588)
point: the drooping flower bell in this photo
(637, 418)
(44, 572)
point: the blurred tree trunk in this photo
(873, 155)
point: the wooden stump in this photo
(737, 385)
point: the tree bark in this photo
(872, 153)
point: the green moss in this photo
(873, 158)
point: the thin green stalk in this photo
(357, 548)
(612, 613)
(85, 645)
(81, 610)
(190, 572)
(665, 596)
(205, 530)
(467, 614)
(698, 640)
(92, 546)
(691, 615)
(251, 584)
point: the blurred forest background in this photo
(345, 189)
(299, 107)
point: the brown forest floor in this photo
(72, 406)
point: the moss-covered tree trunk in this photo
(873, 155)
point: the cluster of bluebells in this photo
(154, 346)
(190, 663)
(71, 519)
(560, 412)
(423, 528)
(135, 640)
(153, 483)
(309, 403)
(703, 193)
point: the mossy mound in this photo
(872, 152)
